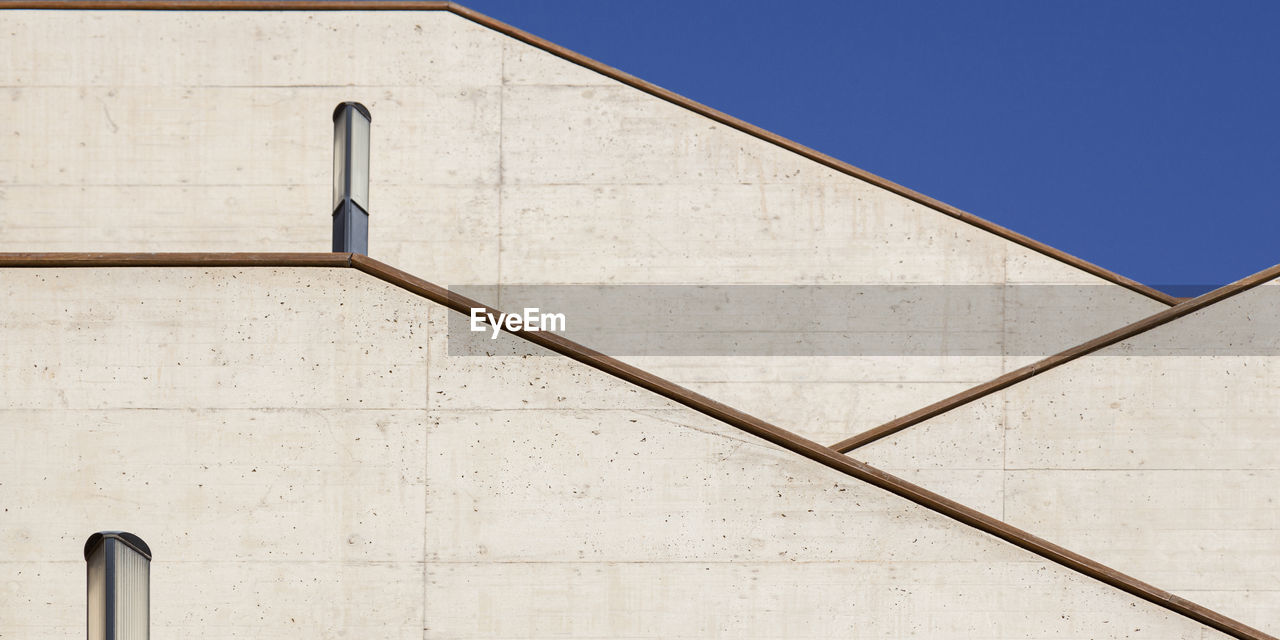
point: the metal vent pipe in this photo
(119, 592)
(351, 122)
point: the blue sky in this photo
(1141, 136)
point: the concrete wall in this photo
(1164, 467)
(263, 430)
(306, 460)
(493, 162)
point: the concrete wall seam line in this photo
(793, 442)
(624, 78)
(1018, 375)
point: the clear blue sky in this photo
(1141, 136)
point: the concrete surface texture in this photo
(1164, 467)
(305, 460)
(493, 162)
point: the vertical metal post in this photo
(119, 591)
(351, 122)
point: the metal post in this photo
(351, 122)
(119, 590)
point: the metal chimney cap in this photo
(359, 107)
(133, 541)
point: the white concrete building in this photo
(306, 457)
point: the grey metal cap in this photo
(359, 107)
(133, 541)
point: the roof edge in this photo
(38, 260)
(232, 5)
(1018, 375)
(788, 440)
(620, 76)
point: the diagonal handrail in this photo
(1018, 375)
(822, 454)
